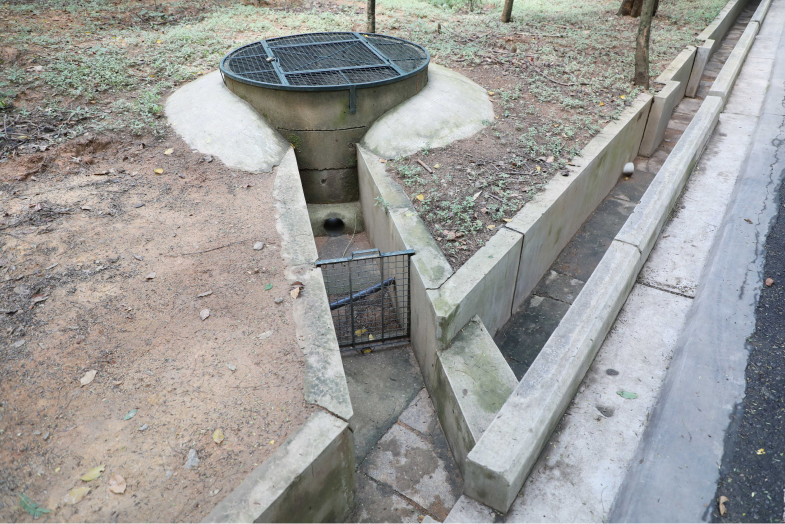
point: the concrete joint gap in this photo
(633, 245)
(328, 412)
(420, 509)
(404, 426)
(647, 284)
(326, 130)
(554, 298)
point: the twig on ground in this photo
(208, 250)
(423, 164)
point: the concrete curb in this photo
(309, 478)
(760, 12)
(500, 462)
(712, 38)
(727, 77)
(675, 78)
(503, 457)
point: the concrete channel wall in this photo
(500, 462)
(712, 38)
(310, 477)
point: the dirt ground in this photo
(103, 264)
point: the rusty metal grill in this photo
(325, 61)
(370, 297)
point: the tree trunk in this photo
(633, 8)
(642, 45)
(371, 16)
(507, 11)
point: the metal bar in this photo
(351, 304)
(276, 66)
(379, 55)
(381, 271)
(409, 295)
(360, 294)
(389, 343)
(284, 46)
(335, 69)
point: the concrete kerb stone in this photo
(644, 225)
(661, 111)
(675, 78)
(482, 286)
(503, 457)
(309, 478)
(724, 82)
(475, 381)
(393, 223)
(549, 222)
(702, 55)
(722, 22)
(760, 12)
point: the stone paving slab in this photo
(380, 503)
(420, 415)
(411, 465)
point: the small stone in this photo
(231, 367)
(45, 436)
(140, 204)
(204, 314)
(258, 246)
(150, 276)
(143, 427)
(193, 460)
(36, 432)
(278, 300)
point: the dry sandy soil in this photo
(103, 262)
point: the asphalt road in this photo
(753, 465)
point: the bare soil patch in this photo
(103, 264)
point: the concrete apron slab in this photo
(494, 477)
(212, 120)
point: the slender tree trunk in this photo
(633, 8)
(507, 11)
(371, 16)
(642, 45)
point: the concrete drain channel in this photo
(417, 365)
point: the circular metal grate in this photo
(325, 61)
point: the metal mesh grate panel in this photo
(369, 297)
(325, 60)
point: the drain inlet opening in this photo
(334, 226)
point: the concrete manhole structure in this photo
(322, 92)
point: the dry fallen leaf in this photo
(93, 473)
(491, 226)
(761, 451)
(88, 377)
(420, 197)
(159, 171)
(117, 484)
(295, 292)
(723, 509)
(769, 282)
(549, 160)
(76, 494)
(169, 151)
(218, 436)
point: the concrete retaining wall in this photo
(309, 478)
(549, 222)
(712, 38)
(675, 79)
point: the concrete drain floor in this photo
(405, 469)
(525, 334)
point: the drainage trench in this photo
(532, 324)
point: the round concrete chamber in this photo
(322, 91)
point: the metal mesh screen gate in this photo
(370, 297)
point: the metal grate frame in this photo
(325, 61)
(370, 297)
